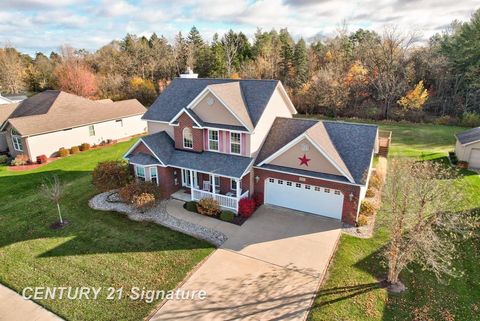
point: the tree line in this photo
(364, 73)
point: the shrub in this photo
(74, 150)
(470, 119)
(362, 220)
(227, 216)
(208, 206)
(371, 192)
(191, 206)
(111, 175)
(84, 147)
(367, 208)
(375, 181)
(42, 159)
(62, 152)
(3, 159)
(20, 160)
(444, 120)
(136, 188)
(143, 202)
(258, 198)
(246, 207)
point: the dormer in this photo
(222, 104)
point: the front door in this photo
(187, 178)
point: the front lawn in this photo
(97, 249)
(351, 291)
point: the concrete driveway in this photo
(270, 269)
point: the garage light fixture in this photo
(351, 196)
(257, 179)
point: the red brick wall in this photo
(167, 180)
(185, 121)
(349, 207)
(246, 183)
(141, 149)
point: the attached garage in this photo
(474, 161)
(304, 197)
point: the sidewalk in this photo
(14, 307)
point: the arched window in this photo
(16, 140)
(187, 138)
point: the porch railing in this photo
(229, 202)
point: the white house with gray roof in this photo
(45, 122)
(228, 139)
(467, 147)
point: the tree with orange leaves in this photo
(415, 98)
(76, 78)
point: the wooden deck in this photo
(384, 140)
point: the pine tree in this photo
(286, 58)
(301, 63)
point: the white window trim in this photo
(136, 171)
(218, 140)
(91, 128)
(231, 184)
(240, 143)
(150, 171)
(183, 137)
(17, 142)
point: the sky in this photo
(45, 25)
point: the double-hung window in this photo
(154, 175)
(91, 130)
(235, 143)
(213, 140)
(17, 141)
(187, 138)
(233, 184)
(140, 172)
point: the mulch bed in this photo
(237, 219)
(31, 166)
(58, 226)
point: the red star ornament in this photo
(304, 160)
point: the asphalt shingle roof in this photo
(54, 110)
(469, 136)
(222, 164)
(354, 143)
(181, 91)
(143, 159)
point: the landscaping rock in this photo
(108, 202)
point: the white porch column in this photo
(213, 185)
(238, 188)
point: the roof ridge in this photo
(229, 79)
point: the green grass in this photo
(97, 249)
(351, 291)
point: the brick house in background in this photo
(228, 139)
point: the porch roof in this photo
(209, 162)
(143, 159)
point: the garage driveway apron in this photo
(270, 269)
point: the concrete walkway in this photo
(269, 269)
(13, 307)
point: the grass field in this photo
(98, 249)
(351, 290)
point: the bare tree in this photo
(52, 189)
(386, 58)
(425, 213)
(231, 44)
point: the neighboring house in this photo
(10, 99)
(229, 139)
(5, 111)
(467, 147)
(45, 122)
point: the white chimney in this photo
(189, 74)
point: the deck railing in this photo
(225, 201)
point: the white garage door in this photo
(474, 161)
(304, 197)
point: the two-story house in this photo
(228, 139)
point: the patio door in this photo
(187, 178)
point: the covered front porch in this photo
(227, 191)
